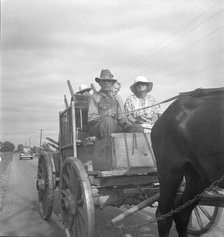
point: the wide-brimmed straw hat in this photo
(141, 79)
(83, 88)
(105, 75)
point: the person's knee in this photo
(107, 120)
(135, 128)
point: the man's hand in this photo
(142, 119)
(110, 113)
(154, 118)
(126, 125)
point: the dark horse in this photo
(188, 140)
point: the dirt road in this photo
(20, 212)
(20, 216)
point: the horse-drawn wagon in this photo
(87, 173)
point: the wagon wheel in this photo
(45, 186)
(78, 210)
(203, 218)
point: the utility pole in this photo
(41, 136)
(30, 142)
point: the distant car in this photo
(26, 154)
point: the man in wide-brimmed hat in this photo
(138, 105)
(106, 114)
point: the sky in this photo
(176, 44)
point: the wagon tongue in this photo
(134, 209)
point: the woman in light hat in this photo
(137, 104)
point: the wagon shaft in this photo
(122, 196)
(134, 209)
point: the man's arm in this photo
(121, 114)
(93, 111)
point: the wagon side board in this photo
(120, 151)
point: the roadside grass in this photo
(6, 158)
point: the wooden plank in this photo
(132, 150)
(66, 146)
(52, 140)
(212, 200)
(99, 153)
(71, 90)
(119, 181)
(127, 172)
(66, 102)
(74, 135)
(149, 144)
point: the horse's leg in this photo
(168, 188)
(182, 220)
(192, 188)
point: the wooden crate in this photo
(120, 151)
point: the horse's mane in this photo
(203, 92)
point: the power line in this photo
(178, 32)
(200, 71)
(188, 46)
(196, 63)
(175, 54)
(175, 33)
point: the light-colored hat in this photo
(105, 75)
(143, 80)
(83, 88)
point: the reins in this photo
(150, 106)
(162, 102)
(197, 93)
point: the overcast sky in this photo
(176, 44)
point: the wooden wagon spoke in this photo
(190, 222)
(76, 226)
(66, 179)
(44, 203)
(77, 186)
(66, 192)
(41, 167)
(81, 214)
(43, 194)
(70, 172)
(73, 226)
(198, 218)
(80, 201)
(82, 227)
(74, 180)
(206, 213)
(40, 175)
